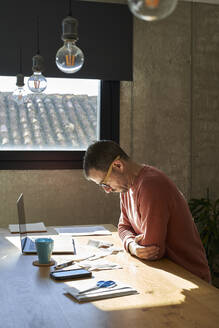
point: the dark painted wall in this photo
(105, 37)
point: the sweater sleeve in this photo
(125, 230)
(154, 214)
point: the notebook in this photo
(30, 227)
(121, 289)
(62, 245)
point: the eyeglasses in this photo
(103, 182)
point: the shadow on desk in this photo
(199, 308)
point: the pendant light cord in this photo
(37, 36)
(20, 60)
(70, 9)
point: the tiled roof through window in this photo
(48, 122)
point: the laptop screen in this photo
(21, 220)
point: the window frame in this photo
(48, 160)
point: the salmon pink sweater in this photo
(154, 207)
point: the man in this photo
(155, 219)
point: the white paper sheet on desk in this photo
(84, 231)
(106, 247)
(99, 265)
(120, 289)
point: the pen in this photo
(66, 264)
(73, 243)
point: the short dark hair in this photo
(101, 154)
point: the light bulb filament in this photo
(152, 3)
(36, 84)
(70, 60)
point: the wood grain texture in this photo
(169, 296)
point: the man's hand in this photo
(143, 252)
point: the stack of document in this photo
(120, 289)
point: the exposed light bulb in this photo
(37, 82)
(19, 95)
(151, 10)
(69, 58)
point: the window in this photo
(52, 130)
(64, 117)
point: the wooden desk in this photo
(169, 296)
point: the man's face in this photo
(117, 181)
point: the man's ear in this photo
(118, 165)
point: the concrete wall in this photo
(162, 86)
(205, 100)
(169, 118)
(173, 119)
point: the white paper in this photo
(30, 227)
(104, 246)
(120, 289)
(83, 231)
(100, 254)
(99, 265)
(99, 243)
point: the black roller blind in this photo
(105, 37)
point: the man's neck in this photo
(133, 169)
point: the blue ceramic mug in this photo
(44, 247)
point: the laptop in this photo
(62, 244)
